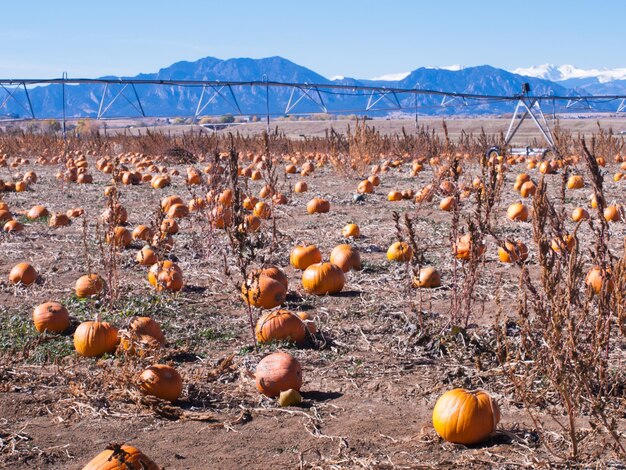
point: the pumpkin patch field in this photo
(359, 300)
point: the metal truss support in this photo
(578, 103)
(217, 91)
(622, 106)
(11, 95)
(382, 94)
(135, 102)
(310, 92)
(450, 100)
(531, 108)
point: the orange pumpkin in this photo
(13, 226)
(262, 210)
(302, 257)
(528, 189)
(365, 187)
(317, 206)
(280, 325)
(575, 182)
(157, 268)
(121, 458)
(263, 292)
(613, 213)
(146, 326)
(120, 238)
(323, 278)
(463, 248)
(278, 372)
(169, 201)
(346, 257)
(37, 212)
(515, 251)
(59, 220)
(580, 214)
(169, 280)
(95, 338)
(301, 187)
(400, 251)
(23, 273)
(465, 417)
(595, 279)
(517, 212)
(277, 274)
(351, 231)
(52, 317)
(447, 203)
(161, 381)
(394, 196)
(142, 232)
(307, 319)
(89, 285)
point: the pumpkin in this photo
(595, 279)
(291, 169)
(95, 338)
(146, 326)
(249, 202)
(169, 201)
(528, 189)
(394, 196)
(170, 226)
(575, 182)
(277, 274)
(178, 211)
(5, 215)
(517, 212)
(365, 187)
(375, 180)
(289, 397)
(580, 214)
(121, 458)
(115, 215)
(564, 243)
(262, 210)
(161, 381)
(447, 203)
(301, 187)
(120, 237)
(280, 325)
(428, 277)
(323, 278)
(278, 372)
(156, 269)
(351, 231)
(317, 206)
(400, 251)
(263, 292)
(52, 317)
(226, 197)
(13, 226)
(23, 273)
(463, 248)
(515, 251)
(37, 212)
(170, 280)
(89, 285)
(346, 257)
(465, 417)
(75, 212)
(142, 232)
(59, 220)
(613, 213)
(302, 257)
(146, 256)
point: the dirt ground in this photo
(370, 380)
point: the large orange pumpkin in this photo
(463, 248)
(351, 231)
(302, 257)
(515, 251)
(263, 292)
(465, 417)
(278, 372)
(517, 212)
(161, 381)
(428, 277)
(346, 257)
(277, 274)
(323, 278)
(596, 278)
(280, 325)
(121, 458)
(89, 285)
(52, 317)
(317, 206)
(95, 338)
(400, 251)
(146, 326)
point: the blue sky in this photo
(361, 39)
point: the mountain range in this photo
(160, 100)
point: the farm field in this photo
(519, 321)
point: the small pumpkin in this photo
(517, 212)
(169, 201)
(394, 196)
(595, 279)
(351, 231)
(323, 278)
(120, 237)
(146, 326)
(464, 248)
(263, 292)
(23, 273)
(346, 257)
(302, 257)
(277, 274)
(52, 317)
(262, 210)
(580, 214)
(301, 187)
(515, 251)
(59, 220)
(575, 182)
(365, 187)
(278, 372)
(161, 381)
(318, 206)
(428, 278)
(170, 280)
(13, 226)
(142, 232)
(400, 251)
(447, 204)
(95, 338)
(280, 325)
(528, 189)
(156, 269)
(89, 285)
(613, 213)
(37, 212)
(465, 417)
(308, 321)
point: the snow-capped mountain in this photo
(567, 72)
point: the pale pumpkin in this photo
(278, 372)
